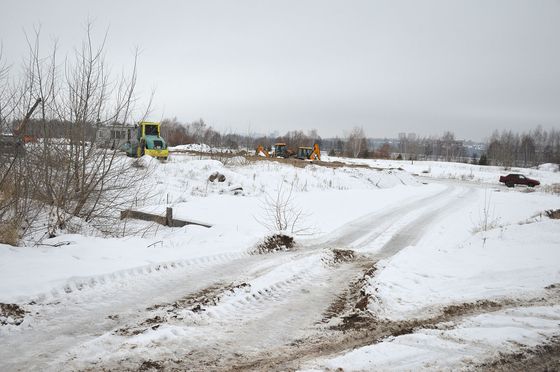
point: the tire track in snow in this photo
(271, 307)
(126, 277)
(367, 227)
(79, 316)
(257, 312)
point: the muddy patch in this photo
(554, 214)
(11, 314)
(350, 304)
(275, 243)
(207, 297)
(544, 357)
(343, 255)
(335, 257)
(471, 307)
(195, 302)
(150, 365)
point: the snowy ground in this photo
(430, 266)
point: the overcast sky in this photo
(263, 66)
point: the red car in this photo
(518, 179)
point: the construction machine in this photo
(12, 143)
(309, 153)
(19, 132)
(148, 141)
(281, 150)
(261, 150)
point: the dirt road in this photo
(239, 311)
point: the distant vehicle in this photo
(309, 153)
(148, 141)
(12, 143)
(518, 179)
(261, 151)
(281, 150)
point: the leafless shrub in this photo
(487, 219)
(63, 174)
(280, 212)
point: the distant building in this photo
(114, 136)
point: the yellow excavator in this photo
(281, 150)
(309, 153)
(261, 150)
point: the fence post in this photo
(169, 216)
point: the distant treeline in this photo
(505, 148)
(353, 144)
(537, 146)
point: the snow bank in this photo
(191, 147)
(549, 167)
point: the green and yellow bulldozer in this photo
(148, 141)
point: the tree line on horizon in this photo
(505, 148)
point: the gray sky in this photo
(262, 66)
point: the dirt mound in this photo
(11, 314)
(343, 255)
(553, 214)
(275, 243)
(338, 256)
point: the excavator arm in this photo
(20, 130)
(316, 154)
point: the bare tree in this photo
(68, 176)
(355, 141)
(280, 213)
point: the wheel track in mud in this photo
(241, 308)
(360, 329)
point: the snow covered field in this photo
(397, 266)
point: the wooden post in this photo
(169, 216)
(166, 220)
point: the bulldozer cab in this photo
(280, 150)
(149, 129)
(304, 152)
